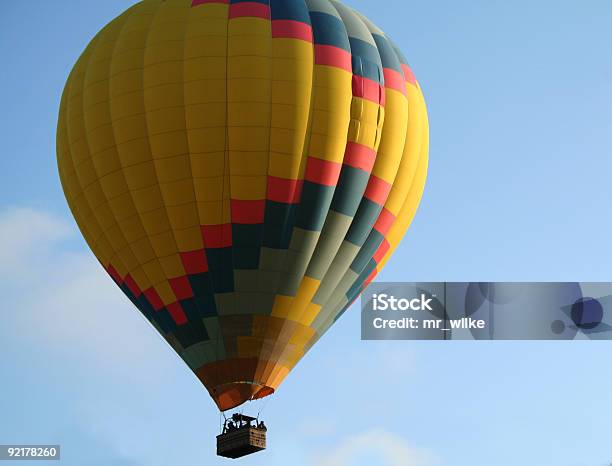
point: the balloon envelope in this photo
(242, 169)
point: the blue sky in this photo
(519, 189)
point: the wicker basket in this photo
(241, 442)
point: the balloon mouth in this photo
(230, 395)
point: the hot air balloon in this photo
(242, 169)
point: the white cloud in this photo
(25, 234)
(107, 364)
(389, 450)
(61, 297)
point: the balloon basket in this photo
(241, 438)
